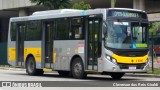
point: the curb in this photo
(14, 69)
(143, 75)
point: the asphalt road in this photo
(60, 83)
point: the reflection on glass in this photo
(122, 34)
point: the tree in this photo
(81, 5)
(53, 4)
(154, 28)
(113, 2)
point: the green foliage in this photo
(53, 4)
(156, 72)
(154, 28)
(81, 5)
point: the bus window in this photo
(33, 27)
(76, 29)
(13, 31)
(62, 30)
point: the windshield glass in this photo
(126, 35)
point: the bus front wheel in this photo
(31, 67)
(117, 75)
(78, 69)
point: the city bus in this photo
(111, 41)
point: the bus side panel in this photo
(11, 48)
(11, 54)
(65, 50)
(33, 48)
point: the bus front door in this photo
(20, 44)
(48, 44)
(93, 42)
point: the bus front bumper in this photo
(108, 66)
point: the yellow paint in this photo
(76, 50)
(54, 57)
(47, 70)
(130, 60)
(36, 52)
(95, 36)
(12, 54)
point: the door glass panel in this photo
(48, 42)
(20, 42)
(94, 40)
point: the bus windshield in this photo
(126, 35)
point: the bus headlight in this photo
(111, 59)
(108, 57)
(114, 61)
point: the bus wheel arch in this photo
(30, 65)
(73, 58)
(75, 65)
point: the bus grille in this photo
(126, 66)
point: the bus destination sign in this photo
(128, 14)
(125, 14)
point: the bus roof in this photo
(126, 9)
(65, 12)
(61, 11)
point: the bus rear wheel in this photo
(117, 75)
(31, 67)
(78, 69)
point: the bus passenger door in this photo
(48, 44)
(93, 42)
(20, 44)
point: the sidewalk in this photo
(14, 69)
(142, 75)
(156, 63)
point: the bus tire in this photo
(31, 67)
(39, 72)
(64, 73)
(78, 69)
(117, 76)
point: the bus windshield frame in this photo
(126, 34)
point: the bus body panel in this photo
(64, 52)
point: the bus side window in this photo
(62, 29)
(33, 27)
(13, 31)
(76, 28)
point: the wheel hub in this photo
(77, 68)
(31, 66)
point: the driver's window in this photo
(137, 34)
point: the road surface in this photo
(92, 82)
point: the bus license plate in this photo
(132, 67)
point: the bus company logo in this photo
(6, 84)
(132, 60)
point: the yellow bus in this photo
(111, 41)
